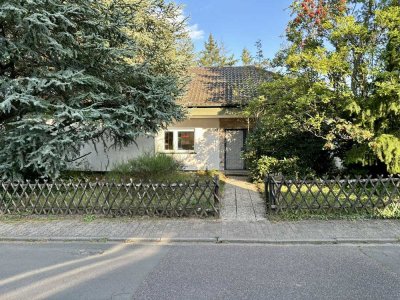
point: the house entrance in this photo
(234, 146)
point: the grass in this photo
(27, 218)
(89, 218)
(386, 213)
(392, 211)
(172, 192)
(308, 215)
(24, 218)
(328, 201)
(192, 196)
(333, 196)
(182, 176)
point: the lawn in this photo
(333, 197)
(337, 199)
(193, 196)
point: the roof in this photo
(222, 86)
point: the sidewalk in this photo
(242, 221)
(167, 230)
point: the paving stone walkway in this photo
(242, 201)
(263, 231)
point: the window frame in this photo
(165, 140)
(175, 140)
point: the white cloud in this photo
(195, 32)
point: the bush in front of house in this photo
(271, 165)
(158, 167)
(278, 150)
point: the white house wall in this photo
(106, 156)
(207, 145)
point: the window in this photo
(179, 140)
(185, 140)
(169, 140)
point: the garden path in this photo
(242, 201)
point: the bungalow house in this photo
(213, 135)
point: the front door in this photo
(234, 146)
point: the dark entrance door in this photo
(234, 146)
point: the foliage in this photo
(75, 175)
(378, 198)
(80, 71)
(215, 55)
(391, 211)
(339, 81)
(277, 134)
(260, 60)
(317, 215)
(149, 167)
(89, 218)
(271, 165)
(202, 175)
(246, 57)
(191, 198)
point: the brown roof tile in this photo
(222, 86)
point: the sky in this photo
(238, 23)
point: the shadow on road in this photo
(52, 280)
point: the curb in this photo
(216, 240)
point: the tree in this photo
(339, 80)
(215, 55)
(161, 36)
(80, 71)
(279, 132)
(260, 59)
(247, 59)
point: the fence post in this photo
(269, 193)
(2, 199)
(216, 192)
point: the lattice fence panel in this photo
(327, 195)
(181, 199)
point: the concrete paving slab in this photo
(241, 201)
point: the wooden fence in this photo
(339, 194)
(182, 199)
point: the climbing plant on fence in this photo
(182, 199)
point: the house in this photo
(214, 133)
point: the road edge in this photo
(216, 240)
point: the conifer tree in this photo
(246, 57)
(259, 52)
(80, 71)
(215, 55)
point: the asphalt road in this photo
(198, 271)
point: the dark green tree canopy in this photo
(77, 71)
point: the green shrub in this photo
(149, 167)
(285, 146)
(271, 165)
(81, 175)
